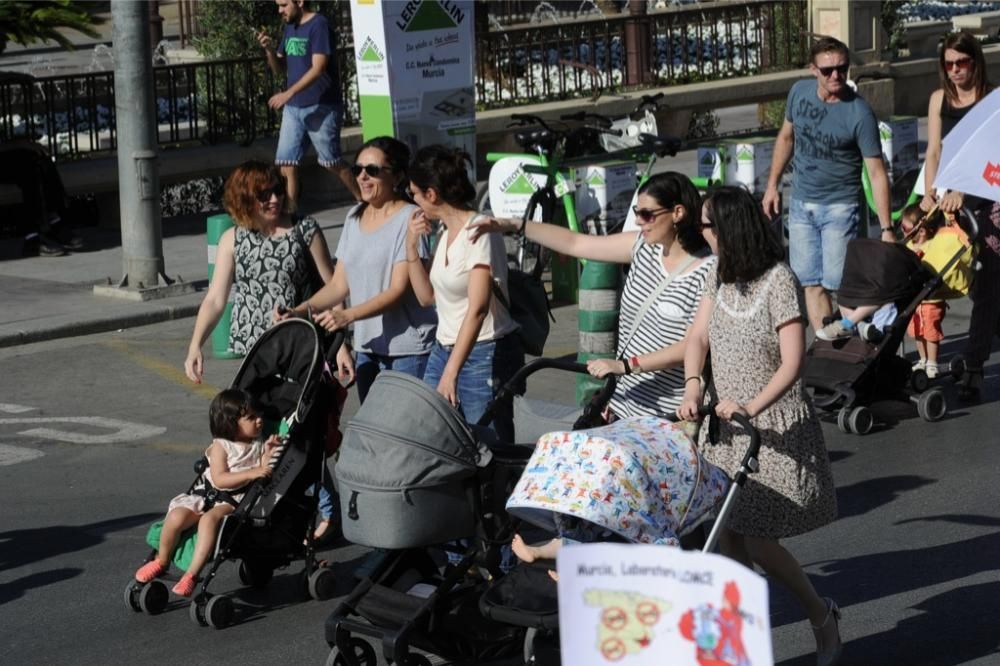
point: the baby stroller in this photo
(847, 376)
(415, 479)
(272, 525)
(638, 480)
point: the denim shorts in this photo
(367, 366)
(817, 241)
(490, 365)
(320, 123)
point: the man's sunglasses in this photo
(840, 69)
(265, 195)
(961, 63)
(373, 170)
(646, 214)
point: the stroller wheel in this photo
(931, 406)
(219, 611)
(860, 421)
(919, 381)
(132, 591)
(153, 598)
(957, 366)
(364, 654)
(196, 611)
(842, 420)
(322, 584)
(254, 573)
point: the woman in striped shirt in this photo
(670, 263)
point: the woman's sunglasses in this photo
(373, 170)
(840, 69)
(275, 190)
(646, 214)
(961, 63)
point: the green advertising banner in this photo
(416, 68)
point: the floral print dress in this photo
(793, 492)
(270, 271)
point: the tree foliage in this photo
(228, 26)
(25, 23)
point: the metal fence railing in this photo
(214, 101)
(587, 56)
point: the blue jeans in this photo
(817, 241)
(367, 366)
(320, 123)
(327, 505)
(489, 366)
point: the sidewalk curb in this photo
(112, 323)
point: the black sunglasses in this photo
(840, 69)
(265, 195)
(647, 215)
(373, 170)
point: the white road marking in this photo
(122, 431)
(14, 409)
(11, 455)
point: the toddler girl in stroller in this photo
(236, 457)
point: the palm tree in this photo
(27, 22)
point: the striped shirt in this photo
(665, 322)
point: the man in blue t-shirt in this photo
(830, 130)
(312, 102)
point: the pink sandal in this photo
(149, 571)
(185, 586)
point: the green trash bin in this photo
(216, 226)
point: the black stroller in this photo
(847, 376)
(272, 526)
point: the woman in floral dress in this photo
(751, 319)
(269, 256)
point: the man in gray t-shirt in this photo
(829, 129)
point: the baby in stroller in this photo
(639, 479)
(236, 457)
(878, 275)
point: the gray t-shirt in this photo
(405, 329)
(830, 141)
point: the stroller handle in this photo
(750, 457)
(336, 341)
(508, 390)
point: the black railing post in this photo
(637, 45)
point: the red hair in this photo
(243, 187)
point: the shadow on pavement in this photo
(860, 498)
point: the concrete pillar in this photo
(135, 124)
(857, 23)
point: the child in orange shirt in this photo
(925, 326)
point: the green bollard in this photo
(597, 321)
(217, 225)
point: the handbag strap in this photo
(651, 298)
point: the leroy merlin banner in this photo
(415, 64)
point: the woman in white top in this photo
(670, 264)
(476, 348)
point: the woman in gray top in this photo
(391, 330)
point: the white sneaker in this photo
(931, 369)
(920, 365)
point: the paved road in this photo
(912, 560)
